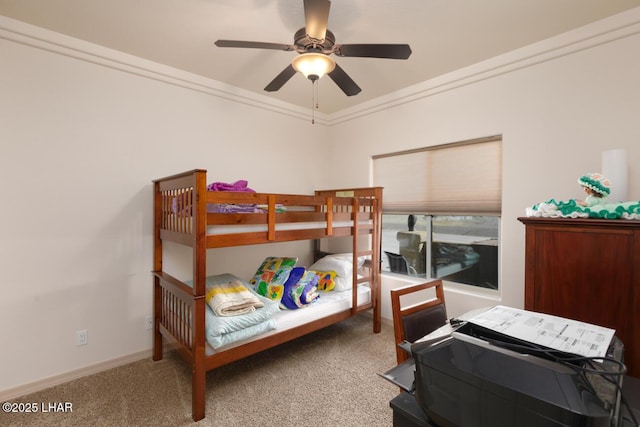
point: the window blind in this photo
(458, 178)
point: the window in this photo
(458, 248)
(441, 211)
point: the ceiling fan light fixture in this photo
(313, 65)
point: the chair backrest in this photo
(417, 320)
(412, 246)
(397, 263)
(409, 240)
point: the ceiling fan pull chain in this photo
(313, 102)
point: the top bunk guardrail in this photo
(183, 205)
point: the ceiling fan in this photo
(315, 43)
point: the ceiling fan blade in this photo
(316, 18)
(253, 45)
(391, 51)
(280, 79)
(344, 82)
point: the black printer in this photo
(476, 376)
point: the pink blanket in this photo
(240, 185)
(179, 205)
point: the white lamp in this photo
(313, 65)
(615, 167)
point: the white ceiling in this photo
(444, 35)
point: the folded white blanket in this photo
(231, 299)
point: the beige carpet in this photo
(328, 378)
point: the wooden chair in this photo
(417, 320)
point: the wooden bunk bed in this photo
(179, 308)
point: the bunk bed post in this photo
(355, 233)
(199, 289)
(376, 236)
(157, 266)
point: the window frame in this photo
(408, 175)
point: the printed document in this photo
(558, 333)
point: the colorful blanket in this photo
(300, 289)
(571, 209)
(231, 299)
(271, 276)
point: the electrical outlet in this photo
(148, 322)
(82, 337)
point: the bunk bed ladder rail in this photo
(362, 210)
(355, 213)
(365, 208)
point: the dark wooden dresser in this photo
(588, 270)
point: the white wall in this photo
(80, 143)
(82, 137)
(557, 104)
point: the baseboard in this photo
(23, 390)
(45, 383)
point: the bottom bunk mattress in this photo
(328, 303)
(223, 332)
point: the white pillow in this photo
(342, 264)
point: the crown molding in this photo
(50, 41)
(616, 27)
(607, 30)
